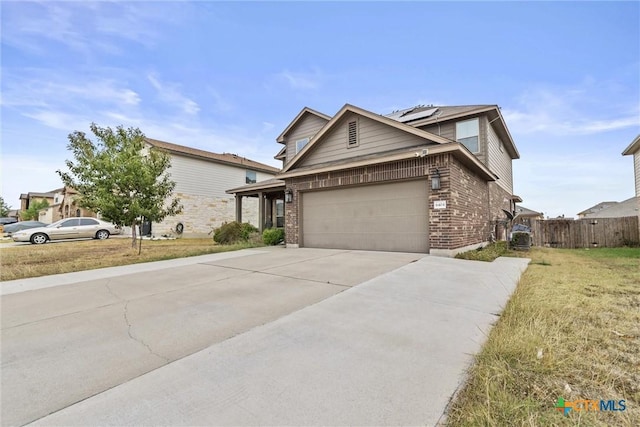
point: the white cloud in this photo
(569, 111)
(86, 27)
(170, 93)
(301, 80)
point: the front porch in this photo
(270, 194)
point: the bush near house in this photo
(487, 253)
(273, 236)
(233, 232)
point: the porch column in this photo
(261, 211)
(238, 208)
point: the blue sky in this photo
(229, 77)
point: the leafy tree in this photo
(4, 208)
(33, 212)
(120, 178)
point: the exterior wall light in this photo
(435, 180)
(288, 195)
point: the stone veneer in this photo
(464, 222)
(201, 213)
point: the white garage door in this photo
(381, 217)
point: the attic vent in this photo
(353, 133)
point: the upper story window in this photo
(300, 143)
(251, 177)
(467, 133)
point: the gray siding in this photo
(636, 168)
(373, 138)
(445, 130)
(499, 161)
(308, 126)
(202, 178)
(448, 130)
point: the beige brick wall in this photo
(200, 214)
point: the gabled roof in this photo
(633, 147)
(629, 207)
(364, 113)
(445, 113)
(526, 212)
(225, 158)
(281, 154)
(305, 110)
(600, 206)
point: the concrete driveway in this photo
(267, 337)
(75, 335)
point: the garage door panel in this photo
(389, 217)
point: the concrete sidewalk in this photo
(390, 351)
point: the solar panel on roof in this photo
(419, 115)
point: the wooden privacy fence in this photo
(586, 233)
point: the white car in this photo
(68, 228)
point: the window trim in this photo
(476, 119)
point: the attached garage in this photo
(381, 217)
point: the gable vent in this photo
(353, 133)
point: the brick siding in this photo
(465, 221)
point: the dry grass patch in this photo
(19, 262)
(579, 309)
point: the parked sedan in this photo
(69, 228)
(22, 225)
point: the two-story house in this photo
(201, 179)
(428, 179)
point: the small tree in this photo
(33, 212)
(4, 208)
(120, 178)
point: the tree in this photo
(4, 208)
(33, 212)
(120, 178)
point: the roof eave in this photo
(454, 148)
(302, 112)
(633, 147)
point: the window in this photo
(87, 221)
(467, 134)
(300, 144)
(70, 223)
(251, 177)
(279, 213)
(352, 134)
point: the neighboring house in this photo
(634, 150)
(628, 207)
(62, 204)
(201, 179)
(526, 216)
(425, 179)
(26, 199)
(594, 210)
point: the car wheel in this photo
(102, 234)
(39, 238)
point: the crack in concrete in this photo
(129, 325)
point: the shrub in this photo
(273, 236)
(233, 232)
(487, 253)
